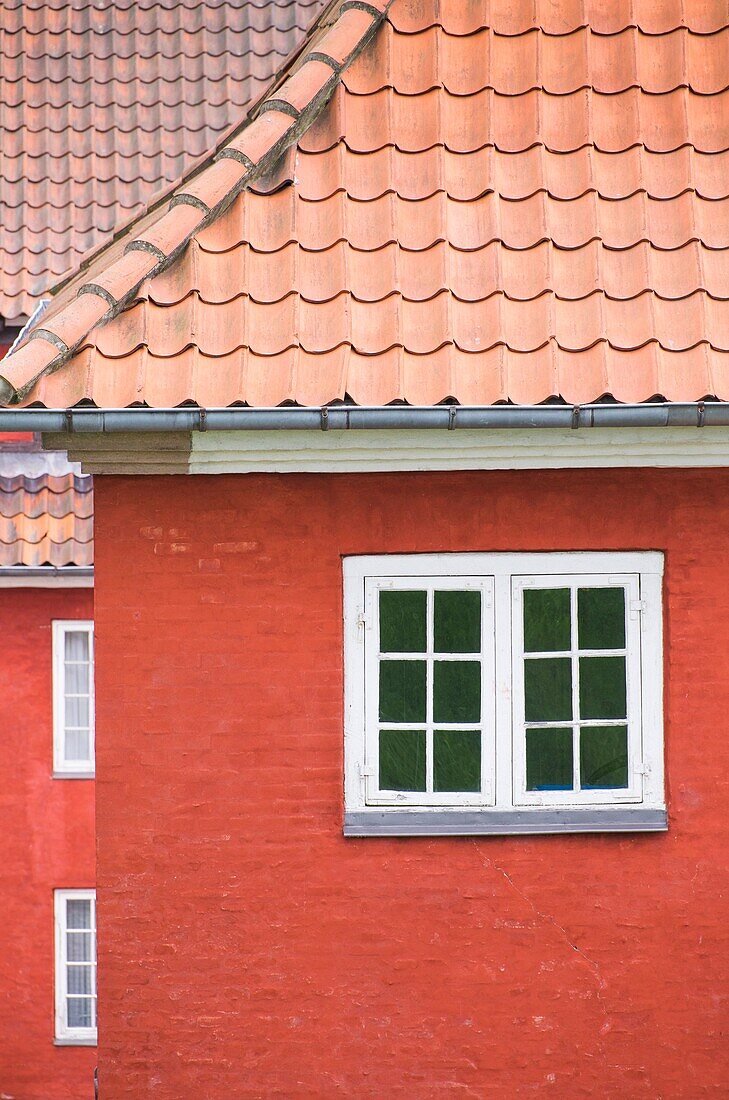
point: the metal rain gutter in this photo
(355, 417)
(46, 571)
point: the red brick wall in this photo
(248, 950)
(46, 842)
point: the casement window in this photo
(503, 693)
(73, 699)
(75, 919)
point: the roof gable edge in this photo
(283, 115)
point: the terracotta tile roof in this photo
(46, 520)
(103, 103)
(516, 202)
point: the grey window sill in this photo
(620, 819)
(73, 775)
(75, 1042)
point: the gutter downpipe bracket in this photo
(357, 417)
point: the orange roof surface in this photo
(46, 520)
(483, 202)
(103, 103)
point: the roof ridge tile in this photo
(172, 74)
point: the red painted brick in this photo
(248, 950)
(46, 843)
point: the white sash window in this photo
(503, 692)
(73, 699)
(75, 918)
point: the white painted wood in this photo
(370, 793)
(64, 1034)
(434, 821)
(634, 792)
(63, 767)
(504, 577)
(651, 630)
(23, 578)
(365, 450)
(362, 451)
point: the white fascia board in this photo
(377, 451)
(24, 577)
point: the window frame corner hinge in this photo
(636, 607)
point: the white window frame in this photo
(505, 805)
(65, 1035)
(63, 768)
(485, 797)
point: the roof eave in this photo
(87, 419)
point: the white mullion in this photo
(581, 723)
(575, 668)
(429, 680)
(488, 691)
(548, 655)
(633, 690)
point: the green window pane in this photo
(402, 691)
(603, 757)
(549, 760)
(457, 622)
(601, 618)
(548, 689)
(457, 691)
(546, 620)
(456, 760)
(402, 760)
(402, 622)
(602, 687)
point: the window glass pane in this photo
(549, 759)
(78, 913)
(78, 745)
(548, 689)
(402, 622)
(457, 691)
(546, 620)
(603, 756)
(77, 679)
(81, 1012)
(76, 646)
(601, 618)
(77, 710)
(457, 622)
(79, 979)
(402, 691)
(402, 760)
(78, 946)
(602, 687)
(456, 760)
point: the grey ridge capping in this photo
(502, 823)
(352, 417)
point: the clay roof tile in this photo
(46, 521)
(499, 202)
(102, 106)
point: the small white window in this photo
(73, 699)
(75, 919)
(503, 693)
